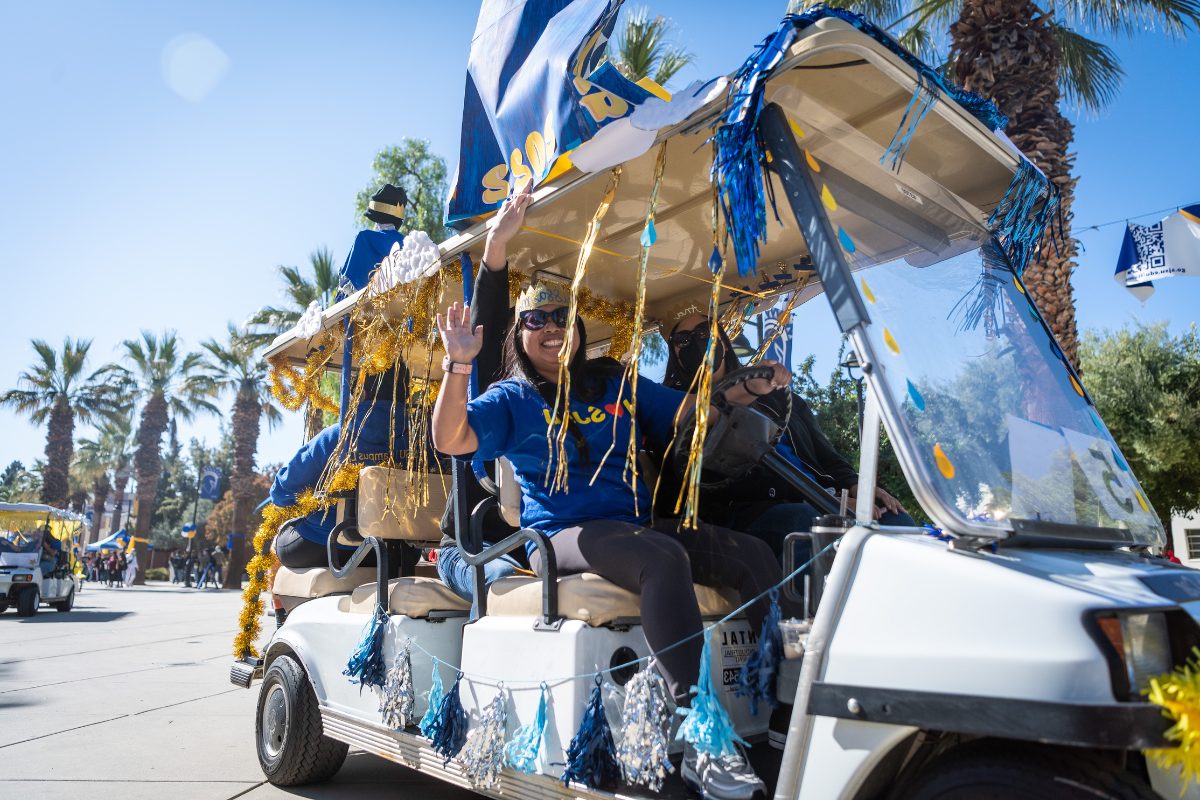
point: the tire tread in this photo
(310, 756)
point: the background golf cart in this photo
(23, 583)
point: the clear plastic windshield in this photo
(995, 420)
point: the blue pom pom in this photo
(592, 756)
(366, 666)
(756, 680)
(448, 732)
(435, 702)
(707, 725)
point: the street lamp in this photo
(850, 364)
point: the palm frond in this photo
(921, 43)
(1090, 73)
(641, 49)
(325, 273)
(1130, 17)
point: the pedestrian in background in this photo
(131, 568)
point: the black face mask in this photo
(691, 356)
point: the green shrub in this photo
(158, 574)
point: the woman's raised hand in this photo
(512, 214)
(460, 342)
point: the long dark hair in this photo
(589, 376)
(678, 378)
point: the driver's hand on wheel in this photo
(782, 379)
(883, 501)
(461, 343)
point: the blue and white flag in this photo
(210, 483)
(1166, 249)
(780, 349)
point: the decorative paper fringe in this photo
(756, 679)
(557, 461)
(483, 757)
(448, 730)
(592, 756)
(397, 701)
(1178, 693)
(645, 726)
(366, 666)
(1019, 222)
(435, 702)
(924, 98)
(522, 752)
(706, 724)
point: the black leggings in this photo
(661, 563)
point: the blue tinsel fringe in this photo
(592, 756)
(756, 680)
(923, 100)
(366, 666)
(1019, 222)
(448, 731)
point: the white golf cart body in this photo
(21, 534)
(994, 629)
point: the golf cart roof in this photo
(9, 509)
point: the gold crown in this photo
(541, 294)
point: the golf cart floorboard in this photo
(413, 751)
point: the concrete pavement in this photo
(128, 696)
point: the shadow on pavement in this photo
(362, 769)
(47, 616)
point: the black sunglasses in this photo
(684, 338)
(535, 319)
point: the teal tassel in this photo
(448, 731)
(756, 680)
(923, 100)
(707, 725)
(435, 702)
(592, 756)
(366, 666)
(522, 752)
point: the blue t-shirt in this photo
(511, 420)
(370, 247)
(305, 468)
(785, 450)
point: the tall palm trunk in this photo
(1005, 51)
(114, 525)
(100, 489)
(79, 501)
(60, 439)
(246, 413)
(148, 465)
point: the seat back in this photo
(510, 492)
(382, 511)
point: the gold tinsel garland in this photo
(291, 388)
(618, 315)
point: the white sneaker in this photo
(728, 777)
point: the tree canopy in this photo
(413, 166)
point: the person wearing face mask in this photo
(761, 503)
(596, 525)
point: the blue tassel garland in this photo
(592, 756)
(522, 752)
(645, 730)
(1019, 221)
(483, 757)
(923, 100)
(396, 702)
(756, 680)
(366, 666)
(435, 702)
(706, 724)
(448, 731)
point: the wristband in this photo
(455, 367)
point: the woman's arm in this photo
(508, 221)
(452, 434)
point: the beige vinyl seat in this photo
(296, 586)
(416, 597)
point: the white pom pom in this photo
(309, 324)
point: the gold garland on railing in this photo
(292, 388)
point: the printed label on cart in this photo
(910, 194)
(738, 643)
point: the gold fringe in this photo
(775, 334)
(1178, 693)
(558, 448)
(293, 389)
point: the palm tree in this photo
(237, 368)
(168, 385)
(110, 453)
(55, 393)
(641, 49)
(1028, 58)
(19, 485)
(270, 321)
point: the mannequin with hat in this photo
(386, 210)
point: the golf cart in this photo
(1002, 651)
(30, 573)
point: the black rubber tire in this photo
(1020, 772)
(28, 602)
(65, 605)
(3, 607)
(303, 753)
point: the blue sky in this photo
(124, 205)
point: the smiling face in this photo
(542, 346)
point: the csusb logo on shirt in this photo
(595, 414)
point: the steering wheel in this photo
(737, 441)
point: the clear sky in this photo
(129, 203)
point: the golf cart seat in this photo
(418, 598)
(377, 508)
(296, 586)
(592, 599)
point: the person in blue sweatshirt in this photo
(386, 210)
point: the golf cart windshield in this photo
(991, 417)
(20, 541)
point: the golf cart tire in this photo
(302, 754)
(1001, 771)
(28, 602)
(67, 604)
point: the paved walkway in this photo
(128, 696)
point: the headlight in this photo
(19, 578)
(1143, 645)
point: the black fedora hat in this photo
(386, 206)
